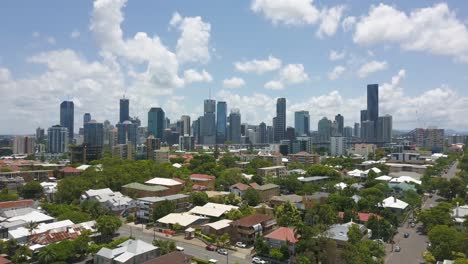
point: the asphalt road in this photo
(194, 250)
(452, 171)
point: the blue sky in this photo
(318, 54)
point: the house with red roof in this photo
(11, 205)
(204, 180)
(283, 236)
(362, 217)
(239, 189)
(69, 171)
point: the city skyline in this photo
(324, 70)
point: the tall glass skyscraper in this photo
(86, 118)
(262, 131)
(280, 122)
(208, 126)
(185, 125)
(373, 105)
(67, 117)
(156, 122)
(57, 139)
(221, 124)
(94, 133)
(302, 123)
(124, 110)
(235, 126)
(340, 124)
(324, 129)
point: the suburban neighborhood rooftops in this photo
(144, 187)
(313, 178)
(293, 198)
(183, 219)
(284, 234)
(171, 258)
(392, 202)
(41, 228)
(163, 181)
(240, 186)
(267, 186)
(251, 220)
(126, 250)
(14, 204)
(152, 199)
(212, 209)
(218, 225)
(201, 177)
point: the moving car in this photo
(222, 251)
(397, 249)
(258, 260)
(241, 245)
(210, 248)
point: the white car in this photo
(212, 261)
(179, 248)
(258, 260)
(241, 245)
(222, 251)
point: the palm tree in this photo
(47, 256)
(31, 226)
(22, 255)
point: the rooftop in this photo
(251, 220)
(201, 177)
(272, 167)
(218, 225)
(267, 186)
(15, 204)
(392, 202)
(41, 228)
(313, 178)
(293, 198)
(284, 234)
(240, 186)
(162, 198)
(126, 250)
(163, 181)
(70, 170)
(340, 231)
(144, 187)
(212, 209)
(363, 217)
(183, 219)
(175, 257)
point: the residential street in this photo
(192, 247)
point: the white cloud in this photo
(36, 34)
(234, 82)
(193, 44)
(336, 72)
(258, 66)
(434, 29)
(336, 55)
(274, 85)
(371, 67)
(330, 19)
(75, 34)
(348, 23)
(293, 74)
(51, 40)
(191, 76)
(5, 75)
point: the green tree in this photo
(107, 225)
(165, 246)
(287, 214)
(255, 164)
(232, 199)
(228, 161)
(381, 229)
(444, 241)
(261, 246)
(354, 234)
(227, 178)
(31, 226)
(252, 197)
(438, 215)
(198, 198)
(275, 253)
(22, 254)
(47, 256)
(32, 190)
(163, 208)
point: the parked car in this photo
(210, 248)
(222, 251)
(241, 245)
(258, 260)
(413, 224)
(397, 249)
(179, 248)
(212, 261)
(406, 235)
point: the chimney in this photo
(457, 210)
(394, 199)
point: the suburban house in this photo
(239, 189)
(248, 228)
(11, 205)
(136, 189)
(17, 218)
(175, 257)
(183, 219)
(21, 234)
(174, 185)
(316, 198)
(283, 236)
(129, 252)
(267, 191)
(339, 233)
(55, 235)
(146, 205)
(69, 171)
(273, 171)
(295, 199)
(394, 204)
(212, 210)
(362, 217)
(458, 214)
(217, 228)
(203, 180)
(113, 201)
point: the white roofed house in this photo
(129, 252)
(394, 204)
(113, 201)
(183, 219)
(459, 214)
(212, 210)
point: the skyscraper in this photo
(221, 115)
(367, 131)
(280, 124)
(86, 118)
(57, 139)
(384, 129)
(124, 110)
(127, 132)
(94, 133)
(40, 134)
(357, 130)
(23, 145)
(156, 122)
(152, 144)
(302, 123)
(324, 129)
(185, 126)
(208, 126)
(373, 105)
(67, 117)
(340, 124)
(262, 130)
(235, 126)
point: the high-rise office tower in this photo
(156, 122)
(23, 145)
(40, 134)
(290, 134)
(302, 123)
(373, 105)
(367, 131)
(86, 118)
(208, 127)
(262, 133)
(384, 129)
(340, 124)
(196, 125)
(127, 132)
(185, 126)
(67, 117)
(357, 130)
(57, 139)
(94, 133)
(235, 126)
(324, 129)
(152, 144)
(348, 132)
(124, 110)
(280, 122)
(270, 134)
(221, 123)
